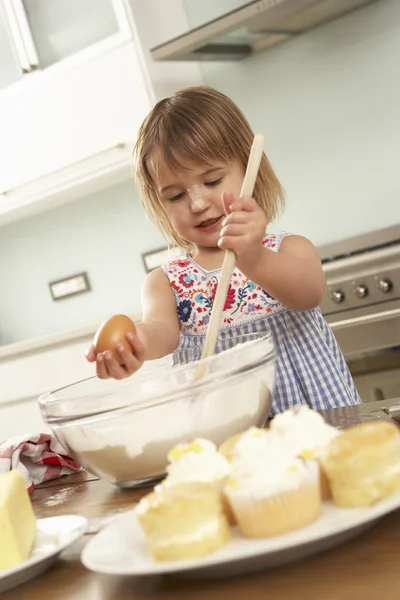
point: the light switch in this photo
(76, 284)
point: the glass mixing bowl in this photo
(121, 431)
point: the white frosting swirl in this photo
(303, 430)
(263, 465)
(197, 461)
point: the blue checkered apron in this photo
(310, 365)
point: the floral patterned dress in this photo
(310, 366)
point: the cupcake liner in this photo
(279, 513)
(324, 484)
(226, 507)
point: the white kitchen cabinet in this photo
(61, 28)
(73, 92)
(68, 127)
(44, 33)
(56, 120)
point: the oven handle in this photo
(366, 319)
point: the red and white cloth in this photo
(38, 456)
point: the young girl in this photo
(190, 160)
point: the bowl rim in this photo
(159, 397)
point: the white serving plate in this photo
(121, 549)
(53, 535)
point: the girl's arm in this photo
(159, 328)
(293, 275)
(157, 334)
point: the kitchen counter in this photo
(46, 341)
(31, 367)
(366, 566)
(49, 341)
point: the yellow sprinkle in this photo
(256, 433)
(292, 469)
(232, 484)
(179, 451)
(308, 453)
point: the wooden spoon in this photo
(249, 181)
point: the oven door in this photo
(370, 342)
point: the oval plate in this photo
(121, 548)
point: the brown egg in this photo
(112, 332)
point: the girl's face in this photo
(192, 201)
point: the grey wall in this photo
(103, 234)
(328, 103)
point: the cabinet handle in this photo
(15, 35)
(26, 34)
(366, 319)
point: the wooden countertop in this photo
(365, 567)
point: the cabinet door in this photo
(61, 28)
(51, 122)
(10, 70)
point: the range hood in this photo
(254, 27)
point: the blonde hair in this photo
(199, 125)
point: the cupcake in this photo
(271, 491)
(183, 522)
(307, 433)
(199, 461)
(363, 463)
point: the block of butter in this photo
(17, 520)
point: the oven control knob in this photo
(361, 291)
(337, 296)
(385, 285)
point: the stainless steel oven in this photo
(362, 306)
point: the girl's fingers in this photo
(114, 368)
(233, 230)
(138, 347)
(101, 369)
(233, 205)
(127, 359)
(236, 206)
(90, 354)
(234, 243)
(123, 362)
(249, 204)
(131, 362)
(237, 243)
(228, 198)
(236, 217)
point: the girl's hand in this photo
(122, 363)
(243, 228)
